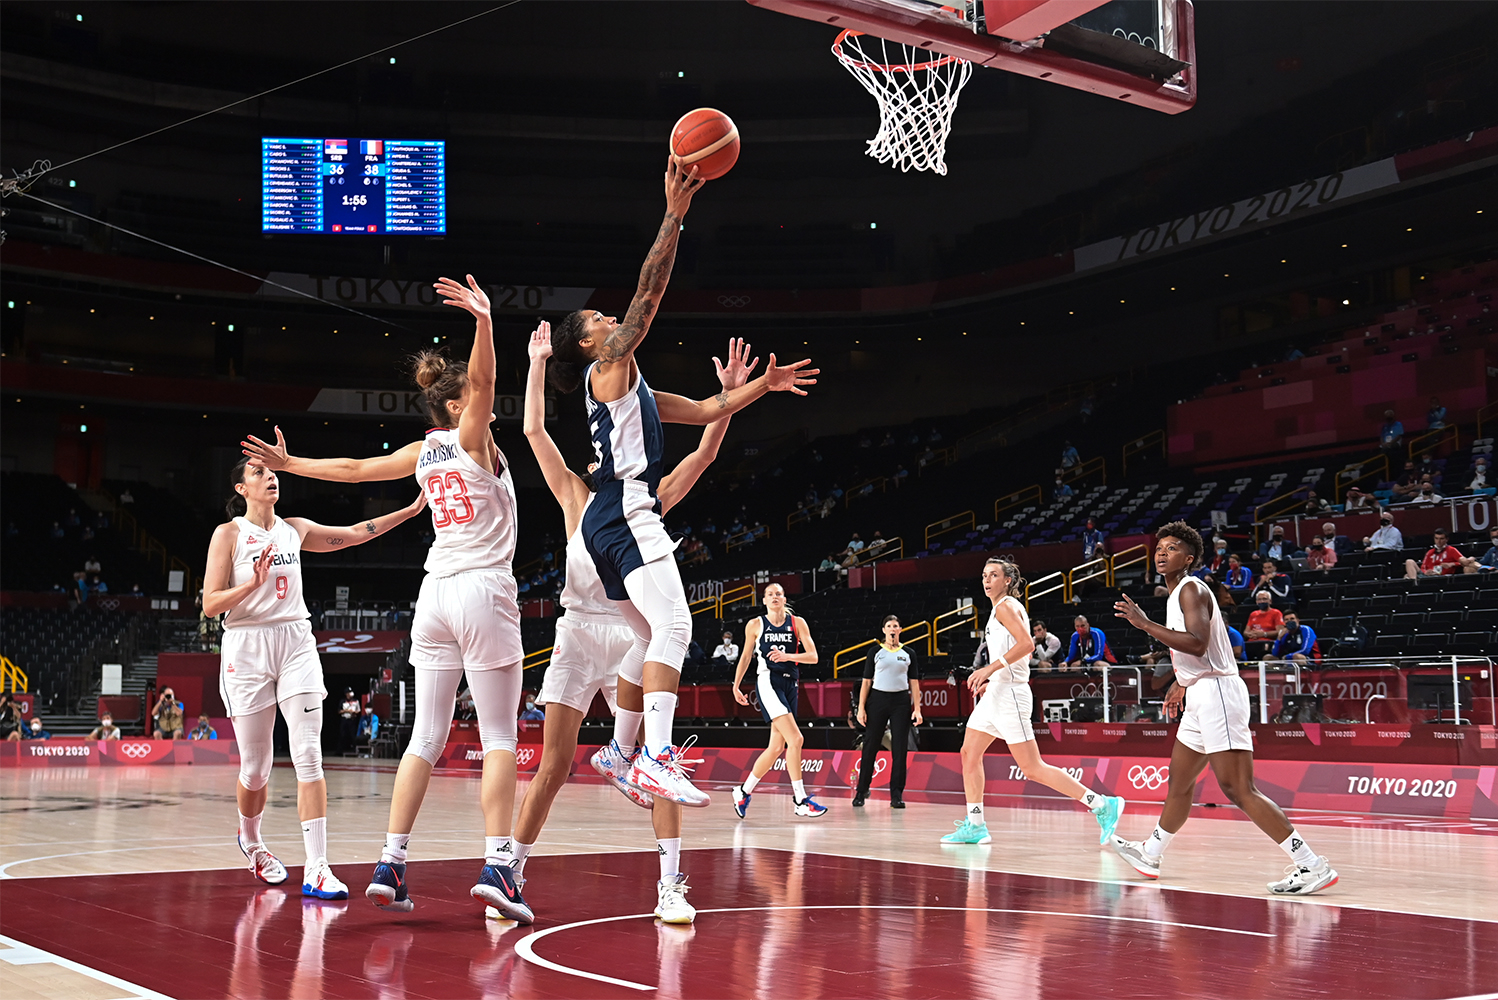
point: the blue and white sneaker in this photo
(387, 887)
(319, 882)
(498, 887)
(810, 807)
(740, 800)
(613, 763)
(1107, 818)
(262, 862)
(968, 832)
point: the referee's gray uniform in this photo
(888, 704)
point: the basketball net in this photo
(916, 97)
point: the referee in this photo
(895, 700)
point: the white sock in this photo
(975, 813)
(660, 714)
(1157, 843)
(315, 838)
(1093, 800)
(249, 829)
(670, 851)
(799, 788)
(1299, 851)
(522, 851)
(395, 848)
(749, 783)
(499, 850)
(627, 729)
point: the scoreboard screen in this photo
(361, 186)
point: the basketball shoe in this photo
(1107, 818)
(740, 800)
(1302, 881)
(1138, 858)
(613, 763)
(810, 807)
(671, 901)
(665, 775)
(968, 832)
(498, 887)
(387, 887)
(262, 862)
(319, 882)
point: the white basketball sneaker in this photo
(665, 775)
(262, 862)
(318, 881)
(1134, 853)
(1302, 881)
(613, 763)
(671, 901)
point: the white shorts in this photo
(467, 621)
(1216, 716)
(585, 661)
(1004, 711)
(261, 665)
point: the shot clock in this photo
(353, 186)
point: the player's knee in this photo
(428, 747)
(306, 754)
(796, 741)
(492, 740)
(254, 767)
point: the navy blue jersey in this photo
(782, 637)
(627, 437)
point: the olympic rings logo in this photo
(109, 603)
(879, 765)
(1148, 778)
(523, 757)
(135, 750)
(733, 301)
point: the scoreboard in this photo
(353, 186)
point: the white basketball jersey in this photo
(1001, 641)
(473, 510)
(583, 592)
(1218, 660)
(279, 598)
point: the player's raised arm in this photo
(679, 481)
(478, 412)
(569, 489)
(676, 409)
(397, 465)
(321, 538)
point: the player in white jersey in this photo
(1003, 712)
(467, 619)
(268, 658)
(1214, 724)
(595, 649)
(622, 529)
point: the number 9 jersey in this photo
(473, 510)
(279, 599)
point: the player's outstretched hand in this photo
(272, 456)
(470, 297)
(681, 183)
(739, 367)
(539, 347)
(790, 378)
(1130, 612)
(261, 566)
(739, 696)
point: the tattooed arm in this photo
(787, 378)
(321, 538)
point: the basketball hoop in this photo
(916, 97)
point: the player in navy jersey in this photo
(622, 528)
(778, 643)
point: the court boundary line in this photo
(21, 953)
(526, 946)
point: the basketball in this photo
(707, 139)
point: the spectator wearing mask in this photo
(348, 720)
(849, 555)
(1069, 456)
(1488, 561)
(1391, 435)
(1427, 494)
(1480, 482)
(1441, 559)
(369, 727)
(1276, 547)
(1088, 646)
(727, 654)
(1046, 647)
(877, 544)
(1320, 555)
(106, 729)
(1315, 505)
(1217, 564)
(36, 731)
(1339, 544)
(1435, 417)
(1296, 644)
(828, 563)
(1386, 538)
(203, 730)
(1407, 484)
(1239, 579)
(97, 585)
(1265, 625)
(531, 713)
(1062, 491)
(1092, 541)
(1277, 583)
(1357, 500)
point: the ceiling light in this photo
(1346, 302)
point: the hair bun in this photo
(429, 368)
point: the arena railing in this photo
(703, 606)
(842, 659)
(538, 658)
(894, 548)
(734, 596)
(1123, 558)
(1375, 467)
(1085, 470)
(1102, 566)
(863, 489)
(1431, 440)
(795, 517)
(1012, 500)
(1138, 446)
(938, 628)
(1486, 413)
(940, 457)
(13, 675)
(745, 537)
(1278, 507)
(1050, 583)
(947, 525)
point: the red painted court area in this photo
(770, 923)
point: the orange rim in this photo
(837, 49)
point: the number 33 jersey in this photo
(473, 510)
(279, 598)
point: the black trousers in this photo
(886, 708)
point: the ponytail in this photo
(236, 505)
(440, 380)
(568, 360)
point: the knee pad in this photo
(497, 739)
(304, 734)
(633, 667)
(255, 762)
(669, 639)
(428, 748)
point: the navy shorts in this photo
(777, 694)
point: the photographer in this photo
(168, 715)
(11, 722)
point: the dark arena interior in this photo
(1141, 455)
